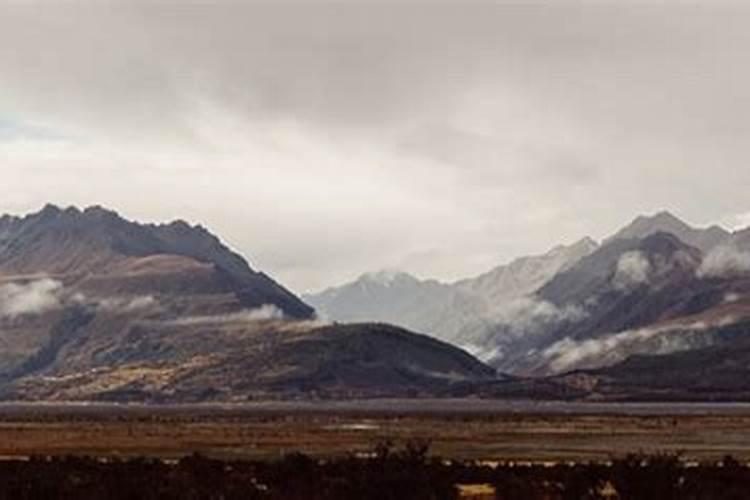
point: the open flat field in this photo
(476, 430)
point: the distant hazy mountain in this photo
(398, 298)
(381, 296)
(665, 222)
(93, 306)
(525, 275)
(455, 312)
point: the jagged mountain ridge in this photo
(526, 275)
(93, 306)
(76, 245)
(665, 222)
(624, 265)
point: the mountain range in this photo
(656, 287)
(96, 307)
(450, 311)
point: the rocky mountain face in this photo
(93, 306)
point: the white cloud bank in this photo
(263, 313)
(43, 295)
(726, 260)
(249, 317)
(568, 354)
(519, 318)
(526, 315)
(34, 297)
(633, 269)
(127, 304)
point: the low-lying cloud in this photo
(267, 312)
(732, 297)
(512, 321)
(35, 297)
(568, 354)
(633, 269)
(127, 304)
(527, 314)
(263, 313)
(726, 260)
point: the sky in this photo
(324, 140)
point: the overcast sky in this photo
(325, 141)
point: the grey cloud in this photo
(526, 315)
(326, 140)
(511, 320)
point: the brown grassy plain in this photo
(253, 433)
